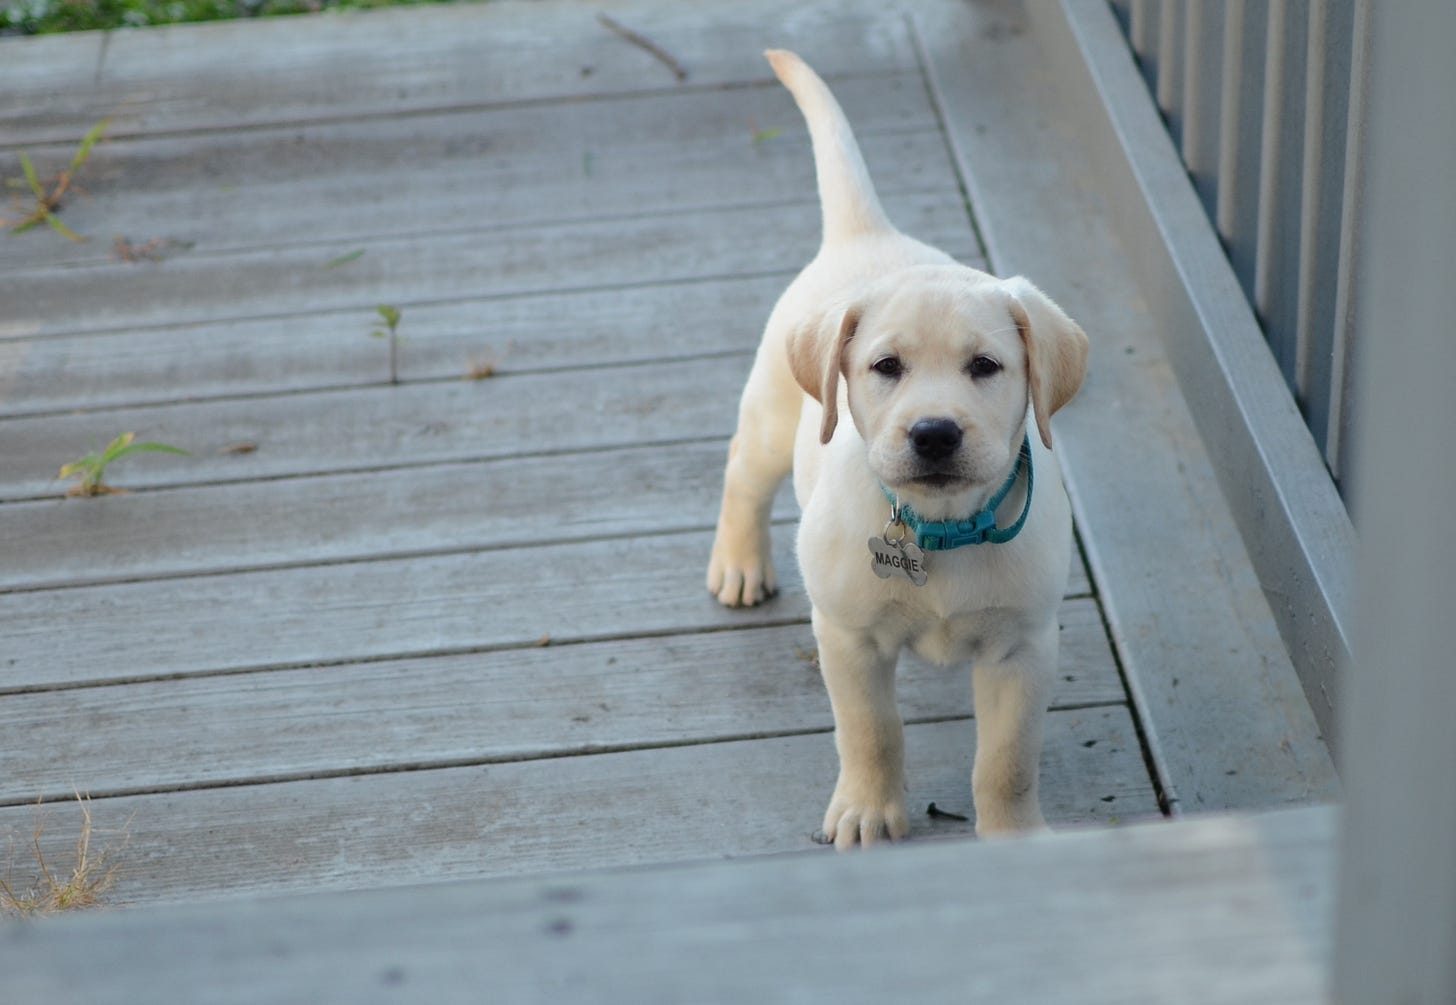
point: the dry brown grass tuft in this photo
(480, 369)
(91, 874)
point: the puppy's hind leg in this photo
(740, 571)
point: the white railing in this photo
(1318, 136)
(1263, 102)
(1188, 205)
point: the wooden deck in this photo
(380, 638)
(371, 634)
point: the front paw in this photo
(740, 572)
(864, 817)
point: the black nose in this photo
(935, 439)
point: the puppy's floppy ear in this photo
(816, 357)
(1056, 351)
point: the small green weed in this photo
(91, 469)
(48, 203)
(390, 330)
(345, 259)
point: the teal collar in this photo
(979, 527)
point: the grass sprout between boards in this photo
(91, 469)
(48, 199)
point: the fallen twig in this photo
(153, 250)
(644, 43)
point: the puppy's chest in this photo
(967, 609)
(955, 638)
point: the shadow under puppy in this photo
(934, 518)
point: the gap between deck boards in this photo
(698, 802)
(224, 193)
(470, 694)
(496, 705)
(460, 602)
(64, 84)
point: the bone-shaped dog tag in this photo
(898, 558)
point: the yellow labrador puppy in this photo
(934, 518)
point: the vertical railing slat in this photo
(1122, 9)
(1240, 129)
(1256, 95)
(1169, 93)
(1327, 103)
(1344, 348)
(1143, 31)
(1202, 94)
(1277, 242)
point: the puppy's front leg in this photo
(740, 569)
(1011, 697)
(869, 800)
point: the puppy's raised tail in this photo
(846, 194)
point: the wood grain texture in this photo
(461, 259)
(443, 630)
(512, 704)
(375, 610)
(636, 491)
(412, 511)
(332, 350)
(1224, 911)
(322, 350)
(384, 426)
(704, 801)
(359, 180)
(391, 62)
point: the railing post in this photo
(1396, 926)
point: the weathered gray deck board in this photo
(642, 491)
(407, 270)
(467, 506)
(332, 349)
(1219, 911)
(314, 664)
(390, 608)
(684, 803)
(394, 62)
(375, 609)
(539, 164)
(448, 264)
(502, 705)
(379, 427)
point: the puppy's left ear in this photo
(1056, 351)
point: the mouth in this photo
(938, 480)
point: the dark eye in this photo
(983, 366)
(889, 366)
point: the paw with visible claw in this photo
(865, 816)
(741, 573)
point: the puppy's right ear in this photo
(816, 357)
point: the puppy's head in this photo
(940, 364)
